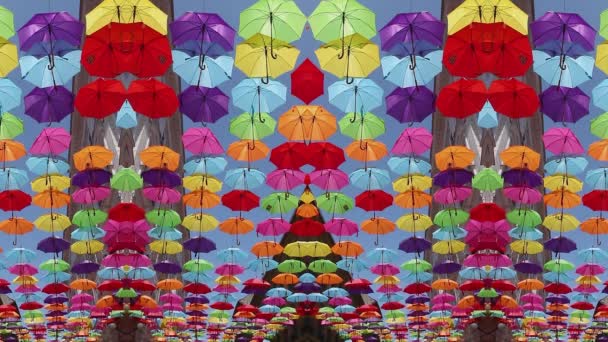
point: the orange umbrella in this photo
(236, 226)
(196, 306)
(595, 226)
(244, 314)
(285, 279)
(92, 157)
(417, 307)
(562, 199)
(413, 199)
(16, 226)
(307, 123)
(169, 285)
(520, 157)
(329, 279)
(56, 307)
(599, 150)
(454, 157)
(105, 302)
(366, 150)
(11, 150)
(370, 314)
(51, 199)
(265, 249)
(201, 199)
(557, 307)
(160, 157)
(507, 302)
(444, 284)
(467, 302)
(378, 226)
(248, 150)
(147, 302)
(347, 249)
(83, 285)
(530, 284)
(307, 210)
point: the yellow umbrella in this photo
(558, 182)
(200, 223)
(413, 181)
(53, 222)
(87, 247)
(588, 279)
(25, 279)
(601, 57)
(448, 247)
(57, 182)
(9, 58)
(227, 280)
(255, 59)
(487, 11)
(202, 182)
(307, 248)
(526, 247)
(387, 280)
(414, 222)
(126, 11)
(166, 247)
(356, 56)
(561, 222)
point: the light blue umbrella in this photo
(254, 96)
(371, 178)
(569, 165)
(126, 117)
(502, 273)
(232, 255)
(599, 94)
(569, 72)
(167, 233)
(557, 277)
(10, 95)
(440, 313)
(20, 255)
(38, 71)
(244, 178)
(30, 297)
(78, 314)
(472, 273)
(317, 298)
(352, 265)
(270, 309)
(47, 165)
(487, 117)
(597, 179)
(111, 273)
(174, 314)
(207, 72)
(335, 292)
(391, 297)
(584, 297)
(141, 273)
(196, 277)
(307, 278)
(361, 96)
(382, 255)
(449, 233)
(345, 309)
(220, 297)
(593, 255)
(409, 165)
(55, 277)
(87, 233)
(412, 71)
(526, 233)
(413, 277)
(278, 292)
(13, 179)
(207, 165)
(297, 297)
(262, 265)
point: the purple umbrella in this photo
(53, 245)
(560, 245)
(5, 290)
(199, 245)
(417, 299)
(199, 299)
(85, 267)
(161, 177)
(253, 290)
(49, 33)
(528, 267)
(566, 29)
(202, 104)
(307, 287)
(193, 30)
(412, 104)
(564, 104)
(453, 177)
(55, 299)
(408, 30)
(447, 267)
(414, 245)
(560, 299)
(50, 104)
(91, 177)
(522, 177)
(167, 267)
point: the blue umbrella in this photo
(47, 165)
(599, 94)
(167, 233)
(391, 297)
(352, 265)
(412, 71)
(221, 297)
(207, 165)
(502, 273)
(297, 298)
(593, 255)
(335, 292)
(207, 72)
(317, 298)
(38, 71)
(597, 178)
(382, 255)
(417, 277)
(244, 178)
(141, 273)
(195, 277)
(307, 278)
(557, 277)
(111, 273)
(370, 179)
(449, 233)
(565, 71)
(472, 273)
(345, 309)
(487, 117)
(87, 233)
(441, 313)
(232, 255)
(409, 165)
(126, 117)
(278, 292)
(262, 265)
(270, 309)
(13, 179)
(526, 233)
(20, 255)
(361, 96)
(175, 314)
(10, 95)
(254, 96)
(55, 277)
(569, 165)
(584, 297)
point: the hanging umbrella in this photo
(250, 127)
(125, 11)
(479, 11)
(202, 32)
(202, 104)
(487, 180)
(369, 126)
(336, 19)
(462, 98)
(201, 140)
(307, 123)
(126, 179)
(279, 202)
(412, 104)
(370, 179)
(565, 71)
(202, 71)
(50, 104)
(412, 141)
(10, 95)
(48, 71)
(6, 23)
(47, 33)
(520, 157)
(255, 96)
(92, 157)
(307, 82)
(349, 57)
(564, 104)
(412, 70)
(265, 57)
(454, 157)
(51, 141)
(360, 96)
(411, 32)
(285, 179)
(562, 141)
(160, 157)
(327, 155)
(10, 126)
(152, 98)
(513, 98)
(100, 98)
(561, 32)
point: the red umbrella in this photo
(513, 98)
(487, 212)
(596, 200)
(392, 306)
(326, 155)
(503, 285)
(152, 98)
(374, 200)
(126, 212)
(289, 155)
(55, 288)
(417, 288)
(307, 227)
(197, 288)
(14, 200)
(222, 306)
(109, 285)
(140, 285)
(558, 288)
(307, 82)
(472, 285)
(241, 200)
(100, 98)
(462, 98)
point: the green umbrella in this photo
(32, 314)
(198, 265)
(366, 126)
(10, 126)
(580, 314)
(126, 179)
(322, 266)
(7, 25)
(524, 218)
(327, 310)
(252, 127)
(279, 202)
(219, 314)
(336, 19)
(335, 319)
(416, 265)
(288, 310)
(599, 126)
(89, 217)
(291, 266)
(450, 217)
(117, 313)
(335, 202)
(54, 266)
(487, 180)
(393, 314)
(126, 293)
(487, 293)
(164, 217)
(559, 266)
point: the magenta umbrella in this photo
(200, 140)
(341, 227)
(340, 301)
(385, 269)
(388, 288)
(81, 307)
(23, 269)
(172, 307)
(162, 194)
(229, 269)
(494, 260)
(590, 269)
(135, 232)
(273, 227)
(82, 298)
(533, 307)
(133, 260)
(413, 140)
(481, 231)
(531, 298)
(278, 301)
(522, 194)
(170, 298)
(285, 179)
(91, 194)
(443, 298)
(52, 141)
(442, 306)
(561, 140)
(452, 194)
(329, 179)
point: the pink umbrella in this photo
(414, 140)
(533, 306)
(494, 260)
(225, 288)
(273, 227)
(91, 194)
(385, 269)
(531, 298)
(561, 140)
(586, 288)
(285, 179)
(443, 298)
(340, 301)
(81, 298)
(171, 298)
(201, 140)
(487, 231)
(81, 307)
(162, 194)
(452, 194)
(341, 227)
(172, 307)
(442, 306)
(23, 269)
(388, 288)
(27, 288)
(229, 269)
(522, 194)
(114, 228)
(590, 269)
(329, 179)
(133, 260)
(278, 301)
(51, 140)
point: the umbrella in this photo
(194, 30)
(44, 31)
(125, 11)
(160, 157)
(201, 140)
(51, 141)
(49, 71)
(92, 157)
(307, 82)
(202, 71)
(126, 179)
(11, 150)
(360, 96)
(327, 155)
(599, 126)
(563, 30)
(254, 96)
(285, 179)
(412, 71)
(152, 98)
(410, 30)
(249, 127)
(599, 95)
(50, 104)
(10, 95)
(412, 104)
(336, 19)
(564, 104)
(569, 165)
(481, 11)
(408, 165)
(454, 157)
(369, 126)
(370, 178)
(10, 126)
(349, 57)
(562, 141)
(513, 98)
(126, 117)
(565, 71)
(520, 157)
(7, 25)
(487, 180)
(100, 98)
(462, 98)
(307, 123)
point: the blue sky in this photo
(229, 10)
